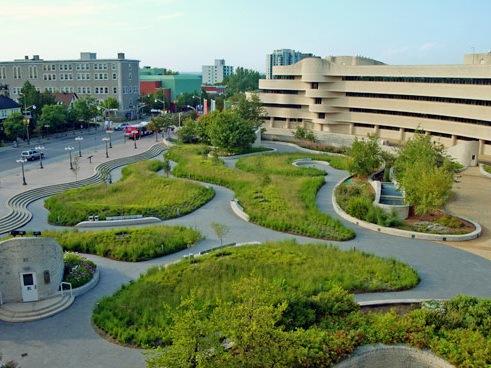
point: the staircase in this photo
(32, 311)
(18, 214)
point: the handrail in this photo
(69, 288)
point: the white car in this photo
(31, 155)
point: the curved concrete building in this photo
(357, 96)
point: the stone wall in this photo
(383, 356)
(42, 256)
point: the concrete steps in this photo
(32, 311)
(19, 215)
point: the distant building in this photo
(152, 79)
(356, 96)
(213, 74)
(214, 90)
(64, 98)
(7, 107)
(87, 76)
(283, 57)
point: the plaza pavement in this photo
(69, 340)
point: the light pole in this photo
(134, 137)
(22, 161)
(40, 149)
(106, 139)
(190, 107)
(27, 118)
(70, 149)
(47, 130)
(79, 140)
(163, 102)
(109, 133)
(104, 111)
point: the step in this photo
(33, 311)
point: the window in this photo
(318, 101)
(17, 72)
(114, 76)
(115, 90)
(3, 72)
(314, 85)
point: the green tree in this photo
(110, 103)
(14, 126)
(250, 109)
(85, 108)
(166, 166)
(195, 343)
(249, 324)
(188, 133)
(425, 173)
(221, 231)
(55, 116)
(364, 156)
(229, 131)
(243, 80)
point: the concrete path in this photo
(69, 340)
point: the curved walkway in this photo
(69, 340)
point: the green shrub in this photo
(450, 221)
(359, 207)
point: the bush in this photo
(77, 270)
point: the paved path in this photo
(68, 339)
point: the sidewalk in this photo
(59, 171)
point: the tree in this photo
(227, 130)
(251, 109)
(243, 80)
(159, 124)
(14, 126)
(424, 173)
(364, 156)
(220, 230)
(195, 343)
(249, 324)
(55, 116)
(110, 103)
(187, 133)
(166, 166)
(85, 108)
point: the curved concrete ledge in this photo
(306, 162)
(129, 222)
(484, 172)
(401, 356)
(404, 233)
(238, 210)
(88, 286)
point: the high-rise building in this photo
(356, 96)
(283, 57)
(87, 76)
(213, 74)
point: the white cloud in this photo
(428, 46)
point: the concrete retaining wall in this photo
(383, 356)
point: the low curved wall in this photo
(403, 233)
(103, 223)
(383, 356)
(238, 210)
(88, 286)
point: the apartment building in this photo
(87, 76)
(357, 96)
(283, 57)
(213, 74)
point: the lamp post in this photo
(109, 133)
(79, 140)
(22, 161)
(104, 110)
(70, 149)
(27, 118)
(47, 129)
(106, 139)
(41, 154)
(163, 102)
(191, 107)
(134, 137)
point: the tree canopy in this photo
(243, 80)
(364, 156)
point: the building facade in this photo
(87, 76)
(357, 96)
(213, 74)
(281, 58)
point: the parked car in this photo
(121, 126)
(31, 155)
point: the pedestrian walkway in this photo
(69, 340)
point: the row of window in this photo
(279, 91)
(464, 101)
(33, 69)
(477, 81)
(423, 116)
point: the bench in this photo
(128, 217)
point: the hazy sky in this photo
(183, 35)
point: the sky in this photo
(183, 35)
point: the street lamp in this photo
(27, 118)
(190, 107)
(22, 161)
(105, 139)
(40, 149)
(163, 102)
(79, 140)
(70, 149)
(104, 110)
(134, 137)
(109, 132)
